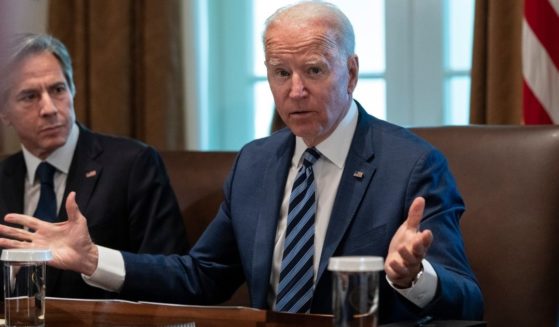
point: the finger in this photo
(399, 270)
(418, 245)
(409, 257)
(72, 207)
(6, 243)
(397, 274)
(421, 244)
(15, 233)
(23, 220)
(416, 212)
(426, 239)
(390, 273)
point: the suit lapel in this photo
(268, 216)
(356, 177)
(84, 171)
(82, 177)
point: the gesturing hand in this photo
(408, 247)
(69, 241)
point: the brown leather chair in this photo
(197, 178)
(509, 179)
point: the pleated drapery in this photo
(127, 66)
(496, 89)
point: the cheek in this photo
(64, 103)
(66, 109)
(278, 90)
(279, 97)
(283, 115)
(13, 119)
(25, 128)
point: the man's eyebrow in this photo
(26, 90)
(32, 89)
(315, 62)
(274, 62)
(56, 84)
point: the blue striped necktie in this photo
(46, 208)
(295, 288)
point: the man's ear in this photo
(4, 117)
(353, 68)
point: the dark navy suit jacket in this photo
(122, 188)
(237, 246)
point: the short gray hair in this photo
(345, 37)
(21, 46)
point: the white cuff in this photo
(424, 289)
(110, 271)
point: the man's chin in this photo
(54, 137)
(304, 133)
(305, 128)
(53, 144)
(311, 139)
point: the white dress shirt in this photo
(61, 159)
(327, 172)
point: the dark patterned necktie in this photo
(295, 288)
(46, 208)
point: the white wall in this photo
(26, 15)
(21, 16)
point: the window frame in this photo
(221, 115)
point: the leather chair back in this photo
(197, 178)
(509, 179)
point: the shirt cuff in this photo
(110, 271)
(424, 289)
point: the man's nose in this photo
(48, 107)
(298, 89)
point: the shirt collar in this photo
(336, 146)
(60, 158)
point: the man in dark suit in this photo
(371, 188)
(122, 184)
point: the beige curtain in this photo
(128, 66)
(496, 91)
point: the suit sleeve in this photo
(209, 274)
(155, 220)
(458, 293)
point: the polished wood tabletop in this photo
(70, 312)
(73, 312)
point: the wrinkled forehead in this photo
(29, 70)
(36, 64)
(300, 39)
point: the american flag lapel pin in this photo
(358, 174)
(91, 173)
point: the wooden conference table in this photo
(70, 312)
